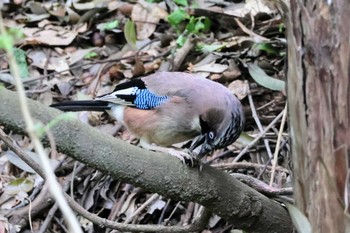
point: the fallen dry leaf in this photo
(146, 16)
(51, 35)
(239, 88)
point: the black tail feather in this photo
(82, 105)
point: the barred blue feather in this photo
(145, 99)
(134, 94)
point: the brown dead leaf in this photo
(212, 68)
(36, 8)
(239, 88)
(59, 11)
(51, 35)
(73, 16)
(39, 59)
(139, 68)
(146, 16)
(230, 75)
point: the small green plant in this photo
(269, 48)
(130, 33)
(8, 39)
(193, 25)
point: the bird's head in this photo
(220, 128)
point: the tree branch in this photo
(219, 192)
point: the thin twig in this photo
(160, 220)
(181, 53)
(262, 187)
(30, 215)
(252, 143)
(142, 207)
(278, 144)
(256, 37)
(265, 105)
(246, 165)
(48, 219)
(258, 123)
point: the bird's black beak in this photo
(204, 150)
(201, 140)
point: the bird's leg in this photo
(184, 156)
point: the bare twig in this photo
(256, 37)
(246, 165)
(48, 219)
(278, 144)
(261, 186)
(258, 123)
(142, 207)
(252, 143)
(160, 220)
(182, 53)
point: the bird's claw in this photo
(186, 157)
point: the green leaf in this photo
(202, 24)
(130, 33)
(177, 17)
(181, 2)
(281, 27)
(207, 24)
(266, 47)
(18, 185)
(181, 40)
(263, 79)
(15, 33)
(206, 48)
(198, 24)
(20, 57)
(110, 25)
(299, 220)
(6, 42)
(91, 55)
(245, 139)
(190, 27)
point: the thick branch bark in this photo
(319, 104)
(163, 174)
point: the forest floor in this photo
(76, 51)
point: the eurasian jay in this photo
(166, 108)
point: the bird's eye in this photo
(211, 135)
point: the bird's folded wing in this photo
(135, 94)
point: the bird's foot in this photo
(186, 157)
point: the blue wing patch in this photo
(135, 94)
(145, 99)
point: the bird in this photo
(165, 108)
